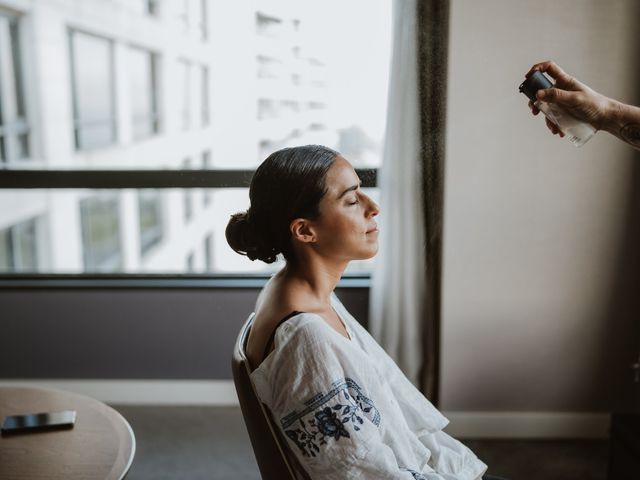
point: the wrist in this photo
(613, 116)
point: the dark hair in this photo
(287, 185)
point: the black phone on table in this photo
(38, 421)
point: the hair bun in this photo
(242, 237)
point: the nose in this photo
(373, 209)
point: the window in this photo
(18, 247)
(268, 25)
(204, 90)
(208, 252)
(144, 7)
(203, 23)
(269, 68)
(150, 219)
(143, 92)
(100, 219)
(151, 6)
(123, 74)
(183, 15)
(14, 129)
(184, 87)
(93, 91)
(191, 262)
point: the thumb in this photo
(556, 95)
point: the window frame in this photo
(77, 123)
(153, 117)
(13, 129)
(155, 235)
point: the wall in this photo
(540, 238)
(160, 333)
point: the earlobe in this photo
(302, 231)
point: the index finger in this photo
(551, 68)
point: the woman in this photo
(342, 403)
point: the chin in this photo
(370, 253)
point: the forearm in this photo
(623, 121)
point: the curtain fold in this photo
(405, 287)
(433, 53)
(399, 278)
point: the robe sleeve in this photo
(327, 411)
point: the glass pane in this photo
(17, 67)
(26, 251)
(95, 135)
(92, 76)
(279, 58)
(142, 91)
(6, 251)
(23, 146)
(208, 255)
(100, 223)
(204, 110)
(127, 231)
(310, 91)
(184, 88)
(203, 20)
(150, 219)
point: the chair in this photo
(275, 460)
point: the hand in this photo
(575, 97)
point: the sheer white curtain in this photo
(399, 279)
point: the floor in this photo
(212, 443)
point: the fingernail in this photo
(540, 94)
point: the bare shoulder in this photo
(274, 303)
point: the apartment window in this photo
(206, 165)
(202, 23)
(150, 219)
(184, 89)
(188, 196)
(269, 68)
(208, 252)
(183, 15)
(267, 109)
(100, 219)
(18, 247)
(144, 92)
(268, 26)
(14, 129)
(191, 262)
(93, 90)
(204, 91)
(151, 6)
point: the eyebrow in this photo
(350, 189)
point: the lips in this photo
(374, 229)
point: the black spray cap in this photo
(536, 81)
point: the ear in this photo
(302, 230)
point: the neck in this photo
(317, 276)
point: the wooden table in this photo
(101, 444)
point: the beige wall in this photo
(538, 280)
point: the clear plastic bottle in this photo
(577, 131)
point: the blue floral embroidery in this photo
(329, 422)
(416, 475)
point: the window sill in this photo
(20, 281)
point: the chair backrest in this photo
(275, 460)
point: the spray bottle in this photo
(577, 131)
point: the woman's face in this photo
(346, 228)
